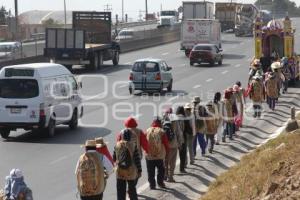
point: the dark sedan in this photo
(206, 53)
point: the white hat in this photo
(16, 173)
(276, 65)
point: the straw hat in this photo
(276, 65)
(196, 99)
(255, 63)
(187, 106)
(100, 142)
(90, 143)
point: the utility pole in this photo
(65, 13)
(122, 10)
(146, 15)
(16, 16)
(107, 8)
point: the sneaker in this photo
(210, 151)
(183, 171)
(217, 143)
(162, 185)
(152, 187)
(223, 139)
(171, 180)
(192, 162)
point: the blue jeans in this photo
(201, 141)
(228, 129)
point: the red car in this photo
(206, 53)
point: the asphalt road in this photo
(49, 164)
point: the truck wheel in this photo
(169, 88)
(73, 124)
(50, 130)
(96, 61)
(4, 133)
(116, 58)
(220, 62)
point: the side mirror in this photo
(169, 68)
(220, 50)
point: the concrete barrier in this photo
(147, 39)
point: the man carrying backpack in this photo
(91, 170)
(158, 147)
(128, 163)
(137, 136)
(199, 126)
(174, 131)
(271, 90)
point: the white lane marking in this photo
(225, 72)
(197, 86)
(209, 80)
(164, 54)
(123, 86)
(173, 98)
(58, 160)
(237, 66)
(183, 64)
(128, 63)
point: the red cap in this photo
(130, 122)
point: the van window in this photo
(203, 48)
(145, 66)
(18, 88)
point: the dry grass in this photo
(249, 179)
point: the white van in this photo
(38, 96)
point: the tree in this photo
(49, 22)
(3, 15)
(280, 6)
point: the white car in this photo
(125, 34)
(38, 96)
(10, 50)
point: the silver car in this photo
(150, 75)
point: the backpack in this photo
(155, 142)
(169, 132)
(90, 175)
(124, 157)
(272, 89)
(187, 127)
(257, 92)
(2, 195)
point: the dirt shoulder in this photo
(270, 172)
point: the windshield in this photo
(168, 13)
(126, 33)
(6, 48)
(18, 88)
(145, 66)
(203, 48)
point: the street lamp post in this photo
(122, 10)
(146, 17)
(16, 16)
(65, 13)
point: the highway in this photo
(49, 163)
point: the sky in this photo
(131, 7)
